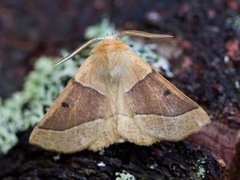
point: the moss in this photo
(25, 108)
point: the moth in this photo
(116, 96)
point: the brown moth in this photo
(116, 96)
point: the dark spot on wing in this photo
(166, 92)
(65, 104)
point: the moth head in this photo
(112, 42)
(108, 46)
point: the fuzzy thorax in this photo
(111, 58)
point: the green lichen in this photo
(201, 172)
(25, 108)
(124, 175)
(105, 27)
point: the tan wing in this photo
(80, 118)
(157, 110)
(116, 96)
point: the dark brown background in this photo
(29, 29)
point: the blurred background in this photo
(206, 37)
(29, 29)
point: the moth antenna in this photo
(143, 34)
(79, 49)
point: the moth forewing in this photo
(113, 97)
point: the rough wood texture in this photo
(202, 31)
(161, 161)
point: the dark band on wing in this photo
(152, 96)
(76, 105)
